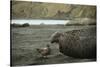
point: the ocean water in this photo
(37, 22)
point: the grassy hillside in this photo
(38, 10)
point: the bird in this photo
(44, 52)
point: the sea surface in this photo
(37, 22)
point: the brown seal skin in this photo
(77, 43)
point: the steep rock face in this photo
(77, 43)
(33, 10)
(84, 11)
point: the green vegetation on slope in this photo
(38, 10)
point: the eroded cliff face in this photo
(38, 10)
